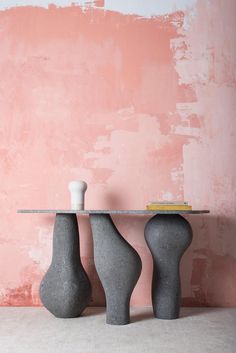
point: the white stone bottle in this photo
(77, 190)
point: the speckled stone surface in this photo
(65, 289)
(167, 236)
(124, 212)
(118, 266)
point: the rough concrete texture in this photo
(167, 236)
(65, 289)
(34, 330)
(118, 266)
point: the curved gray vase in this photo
(118, 266)
(65, 289)
(167, 236)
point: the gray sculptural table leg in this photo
(118, 266)
(167, 236)
(65, 289)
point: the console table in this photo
(65, 289)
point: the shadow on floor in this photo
(94, 311)
(136, 317)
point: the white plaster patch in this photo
(2, 292)
(44, 3)
(187, 131)
(148, 8)
(141, 8)
(41, 253)
(167, 196)
(177, 174)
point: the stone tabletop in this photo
(118, 212)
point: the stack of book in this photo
(168, 206)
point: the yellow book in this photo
(153, 207)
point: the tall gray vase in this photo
(167, 236)
(65, 289)
(118, 266)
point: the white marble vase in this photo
(77, 190)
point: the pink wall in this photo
(140, 108)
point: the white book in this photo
(168, 203)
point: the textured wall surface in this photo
(137, 100)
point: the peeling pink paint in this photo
(208, 66)
(139, 108)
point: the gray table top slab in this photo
(115, 212)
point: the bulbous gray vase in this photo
(65, 289)
(167, 236)
(118, 266)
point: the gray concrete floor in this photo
(198, 330)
